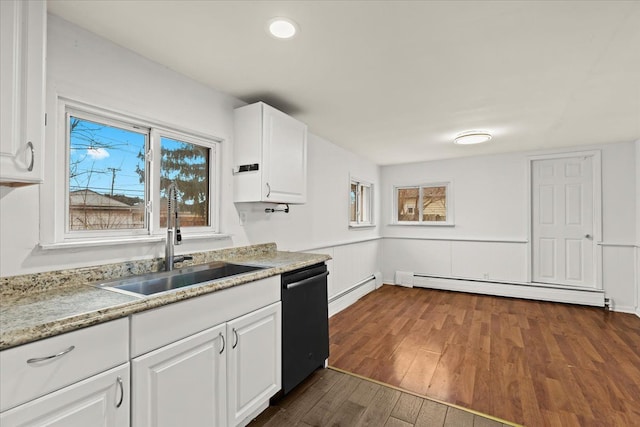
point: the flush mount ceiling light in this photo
(282, 28)
(472, 137)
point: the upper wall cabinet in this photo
(270, 156)
(22, 79)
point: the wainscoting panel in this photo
(354, 271)
(619, 276)
(497, 267)
(432, 257)
(495, 261)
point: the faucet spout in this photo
(168, 251)
(173, 228)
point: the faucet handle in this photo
(182, 258)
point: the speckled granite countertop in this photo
(31, 308)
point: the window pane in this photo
(408, 204)
(106, 177)
(434, 203)
(365, 204)
(352, 202)
(188, 166)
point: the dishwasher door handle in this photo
(305, 281)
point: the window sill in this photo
(360, 226)
(72, 244)
(423, 224)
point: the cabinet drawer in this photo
(29, 371)
(155, 328)
(101, 400)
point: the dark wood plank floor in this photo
(332, 398)
(534, 363)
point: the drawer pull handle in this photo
(222, 338)
(42, 359)
(235, 334)
(268, 190)
(119, 381)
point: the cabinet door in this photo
(101, 400)
(22, 76)
(284, 157)
(254, 361)
(183, 383)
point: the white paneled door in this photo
(563, 221)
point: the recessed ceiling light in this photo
(472, 137)
(282, 28)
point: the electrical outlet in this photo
(243, 217)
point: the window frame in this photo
(359, 183)
(154, 132)
(157, 134)
(450, 222)
(109, 121)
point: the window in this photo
(428, 204)
(106, 179)
(118, 173)
(187, 165)
(360, 204)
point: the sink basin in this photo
(154, 283)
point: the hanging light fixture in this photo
(472, 137)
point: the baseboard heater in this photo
(593, 297)
(352, 288)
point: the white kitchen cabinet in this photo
(22, 82)
(183, 383)
(185, 371)
(270, 153)
(80, 378)
(32, 370)
(101, 400)
(254, 362)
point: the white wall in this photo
(637, 183)
(87, 68)
(489, 239)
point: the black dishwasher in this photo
(305, 323)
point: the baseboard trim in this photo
(623, 308)
(638, 311)
(571, 296)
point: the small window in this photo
(428, 204)
(360, 204)
(117, 186)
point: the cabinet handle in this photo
(119, 381)
(33, 155)
(42, 359)
(268, 190)
(235, 334)
(222, 338)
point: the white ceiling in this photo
(395, 81)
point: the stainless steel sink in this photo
(153, 283)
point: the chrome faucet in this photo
(173, 229)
